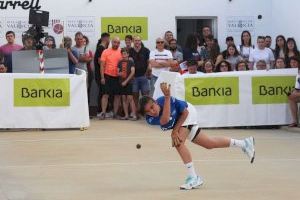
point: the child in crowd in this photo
(126, 73)
(181, 117)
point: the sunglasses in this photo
(159, 42)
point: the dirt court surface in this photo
(103, 163)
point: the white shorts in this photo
(191, 122)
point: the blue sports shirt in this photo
(177, 107)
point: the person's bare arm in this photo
(102, 68)
(132, 71)
(72, 57)
(165, 88)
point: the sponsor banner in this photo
(43, 100)
(41, 92)
(17, 24)
(85, 24)
(251, 98)
(271, 90)
(122, 26)
(235, 25)
(212, 91)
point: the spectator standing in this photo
(268, 42)
(128, 42)
(229, 41)
(160, 60)
(110, 77)
(140, 56)
(177, 55)
(211, 50)
(280, 47)
(72, 54)
(261, 53)
(7, 50)
(246, 46)
(190, 51)
(102, 44)
(82, 51)
(168, 37)
(291, 49)
(89, 64)
(126, 74)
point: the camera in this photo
(37, 19)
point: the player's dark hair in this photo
(143, 102)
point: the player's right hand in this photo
(166, 89)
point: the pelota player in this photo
(181, 117)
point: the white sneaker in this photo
(249, 148)
(101, 115)
(109, 114)
(192, 183)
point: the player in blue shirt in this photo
(181, 118)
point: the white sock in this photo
(191, 169)
(237, 143)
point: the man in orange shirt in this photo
(109, 76)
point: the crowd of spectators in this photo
(122, 75)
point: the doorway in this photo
(188, 25)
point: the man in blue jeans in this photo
(140, 56)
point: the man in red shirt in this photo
(8, 48)
(110, 77)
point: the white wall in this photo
(286, 20)
(161, 15)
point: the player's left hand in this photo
(176, 141)
(166, 89)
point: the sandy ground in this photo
(103, 163)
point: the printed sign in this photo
(235, 25)
(17, 24)
(25, 5)
(2, 27)
(271, 90)
(84, 24)
(122, 26)
(41, 92)
(212, 90)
